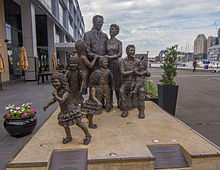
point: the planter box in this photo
(167, 97)
(19, 127)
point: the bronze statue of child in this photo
(84, 64)
(74, 78)
(108, 80)
(69, 114)
(140, 74)
(93, 105)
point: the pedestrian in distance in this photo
(194, 65)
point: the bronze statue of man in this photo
(127, 67)
(96, 40)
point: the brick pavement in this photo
(18, 92)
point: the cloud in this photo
(153, 25)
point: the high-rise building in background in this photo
(214, 49)
(43, 27)
(218, 35)
(207, 48)
(214, 53)
(210, 42)
(200, 47)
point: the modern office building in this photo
(43, 27)
(200, 47)
(214, 53)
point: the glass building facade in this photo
(55, 22)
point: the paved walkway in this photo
(198, 101)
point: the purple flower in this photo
(32, 112)
(7, 115)
(35, 111)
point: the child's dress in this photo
(91, 106)
(69, 114)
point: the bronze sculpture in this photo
(93, 105)
(69, 114)
(74, 78)
(84, 64)
(114, 52)
(127, 67)
(108, 80)
(140, 74)
(96, 40)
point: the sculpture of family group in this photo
(97, 66)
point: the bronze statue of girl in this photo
(69, 114)
(93, 105)
(84, 64)
(74, 78)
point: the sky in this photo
(154, 25)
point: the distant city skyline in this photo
(153, 25)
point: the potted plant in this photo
(151, 92)
(20, 120)
(167, 90)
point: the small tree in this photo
(169, 66)
(152, 90)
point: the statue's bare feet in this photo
(124, 114)
(67, 140)
(141, 114)
(93, 126)
(86, 141)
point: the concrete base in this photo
(127, 137)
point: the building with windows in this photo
(214, 53)
(200, 47)
(210, 41)
(43, 27)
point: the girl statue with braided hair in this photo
(69, 114)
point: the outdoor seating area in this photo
(46, 74)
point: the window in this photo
(47, 4)
(60, 14)
(67, 4)
(8, 32)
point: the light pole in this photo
(146, 70)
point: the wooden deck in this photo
(127, 138)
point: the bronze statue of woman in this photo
(114, 52)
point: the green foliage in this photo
(152, 89)
(169, 66)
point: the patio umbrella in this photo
(54, 63)
(2, 67)
(23, 61)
